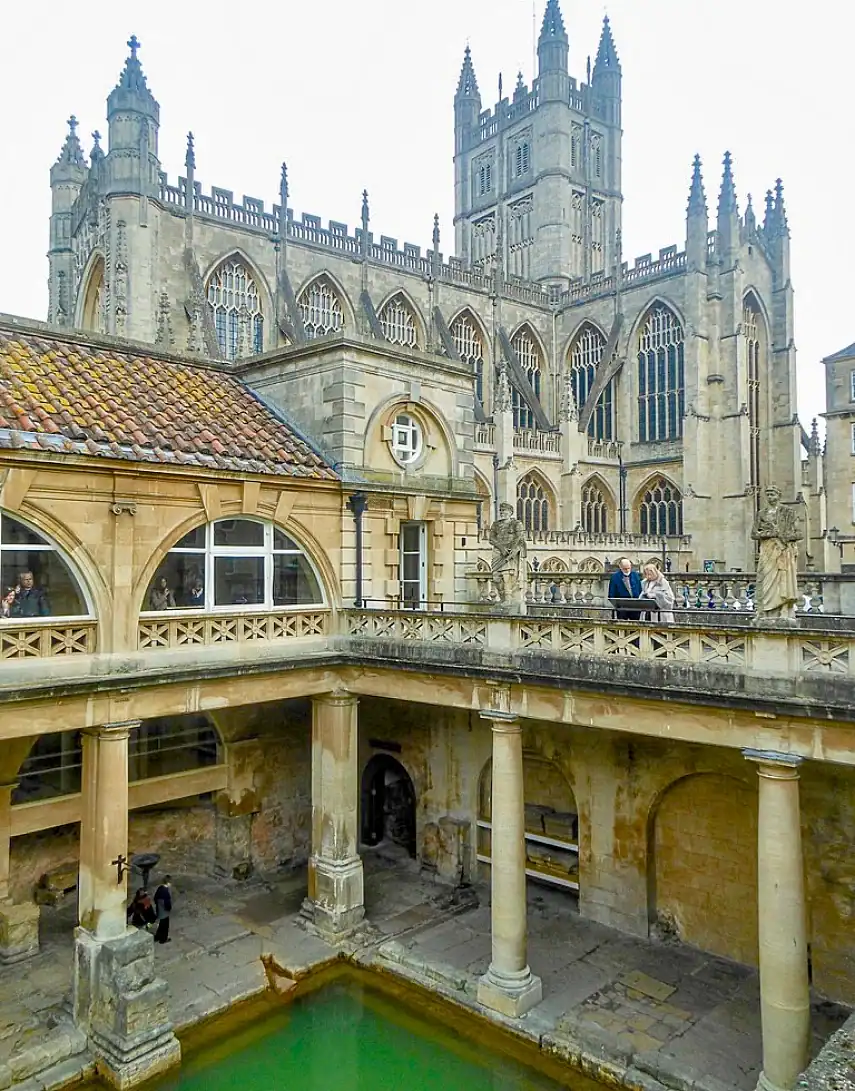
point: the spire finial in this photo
(96, 152)
(553, 23)
(283, 187)
(727, 198)
(750, 218)
(697, 196)
(72, 126)
(780, 208)
(190, 156)
(467, 85)
(365, 211)
(71, 152)
(607, 57)
(133, 45)
(435, 238)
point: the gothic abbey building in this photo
(614, 404)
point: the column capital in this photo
(112, 732)
(336, 697)
(774, 764)
(507, 723)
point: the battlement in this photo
(581, 98)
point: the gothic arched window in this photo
(753, 330)
(532, 504)
(320, 309)
(528, 354)
(399, 322)
(660, 509)
(466, 334)
(94, 316)
(595, 507)
(235, 303)
(586, 355)
(661, 376)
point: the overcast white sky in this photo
(359, 95)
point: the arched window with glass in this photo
(533, 504)
(235, 303)
(320, 308)
(399, 322)
(585, 358)
(527, 350)
(234, 564)
(469, 342)
(596, 507)
(661, 376)
(35, 579)
(660, 509)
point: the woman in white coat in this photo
(654, 586)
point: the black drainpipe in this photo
(357, 504)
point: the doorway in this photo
(388, 805)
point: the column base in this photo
(510, 994)
(123, 1008)
(336, 897)
(19, 931)
(765, 1084)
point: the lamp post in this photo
(357, 505)
(495, 488)
(622, 472)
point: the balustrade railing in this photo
(47, 638)
(545, 443)
(178, 631)
(485, 435)
(605, 448)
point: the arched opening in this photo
(584, 360)
(320, 308)
(597, 514)
(235, 303)
(660, 509)
(398, 322)
(527, 349)
(388, 812)
(551, 822)
(35, 580)
(232, 564)
(93, 314)
(756, 341)
(661, 376)
(468, 338)
(702, 865)
(533, 503)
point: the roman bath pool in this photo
(344, 1033)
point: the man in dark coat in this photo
(624, 584)
(163, 905)
(30, 601)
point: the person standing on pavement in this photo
(163, 907)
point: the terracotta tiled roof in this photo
(65, 395)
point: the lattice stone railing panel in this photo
(406, 625)
(831, 655)
(44, 640)
(180, 632)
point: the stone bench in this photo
(53, 886)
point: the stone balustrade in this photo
(43, 638)
(180, 630)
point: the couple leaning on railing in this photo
(644, 597)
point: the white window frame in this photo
(421, 603)
(46, 546)
(407, 442)
(210, 552)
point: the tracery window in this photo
(236, 306)
(320, 309)
(532, 504)
(751, 329)
(528, 354)
(469, 343)
(35, 580)
(586, 355)
(595, 508)
(484, 178)
(398, 322)
(661, 376)
(233, 564)
(660, 509)
(522, 158)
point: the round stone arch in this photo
(81, 568)
(335, 285)
(702, 863)
(415, 312)
(439, 455)
(292, 527)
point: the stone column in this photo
(508, 986)
(784, 989)
(117, 999)
(237, 804)
(19, 924)
(335, 870)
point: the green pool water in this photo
(349, 1037)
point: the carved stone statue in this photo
(776, 529)
(507, 537)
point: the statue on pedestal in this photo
(776, 529)
(507, 537)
